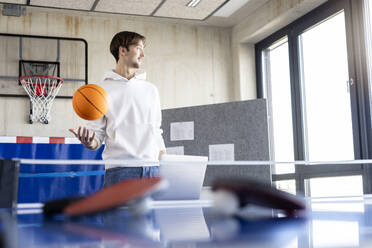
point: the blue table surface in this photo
(328, 222)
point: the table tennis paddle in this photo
(107, 198)
(251, 192)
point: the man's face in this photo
(133, 57)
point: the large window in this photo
(307, 72)
(279, 99)
(326, 99)
(278, 94)
(368, 36)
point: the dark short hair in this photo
(124, 39)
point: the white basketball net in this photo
(42, 90)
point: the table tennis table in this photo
(328, 222)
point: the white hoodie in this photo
(131, 126)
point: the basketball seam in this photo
(99, 92)
(86, 98)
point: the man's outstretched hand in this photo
(86, 137)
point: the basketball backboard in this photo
(42, 55)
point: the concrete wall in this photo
(267, 19)
(191, 65)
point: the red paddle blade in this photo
(113, 196)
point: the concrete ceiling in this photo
(224, 13)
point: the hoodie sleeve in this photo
(157, 122)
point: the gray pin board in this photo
(243, 124)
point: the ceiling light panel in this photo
(179, 9)
(193, 3)
(133, 7)
(14, 1)
(230, 8)
(66, 4)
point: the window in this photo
(280, 115)
(368, 36)
(326, 99)
(307, 72)
(336, 186)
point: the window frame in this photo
(359, 91)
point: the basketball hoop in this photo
(42, 89)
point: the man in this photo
(131, 126)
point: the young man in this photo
(131, 126)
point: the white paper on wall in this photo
(176, 150)
(182, 131)
(221, 152)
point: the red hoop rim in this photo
(22, 79)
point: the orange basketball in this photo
(90, 102)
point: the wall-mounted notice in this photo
(176, 150)
(221, 152)
(182, 131)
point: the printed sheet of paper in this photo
(221, 152)
(176, 150)
(182, 131)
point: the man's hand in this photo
(86, 137)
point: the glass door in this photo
(326, 91)
(326, 108)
